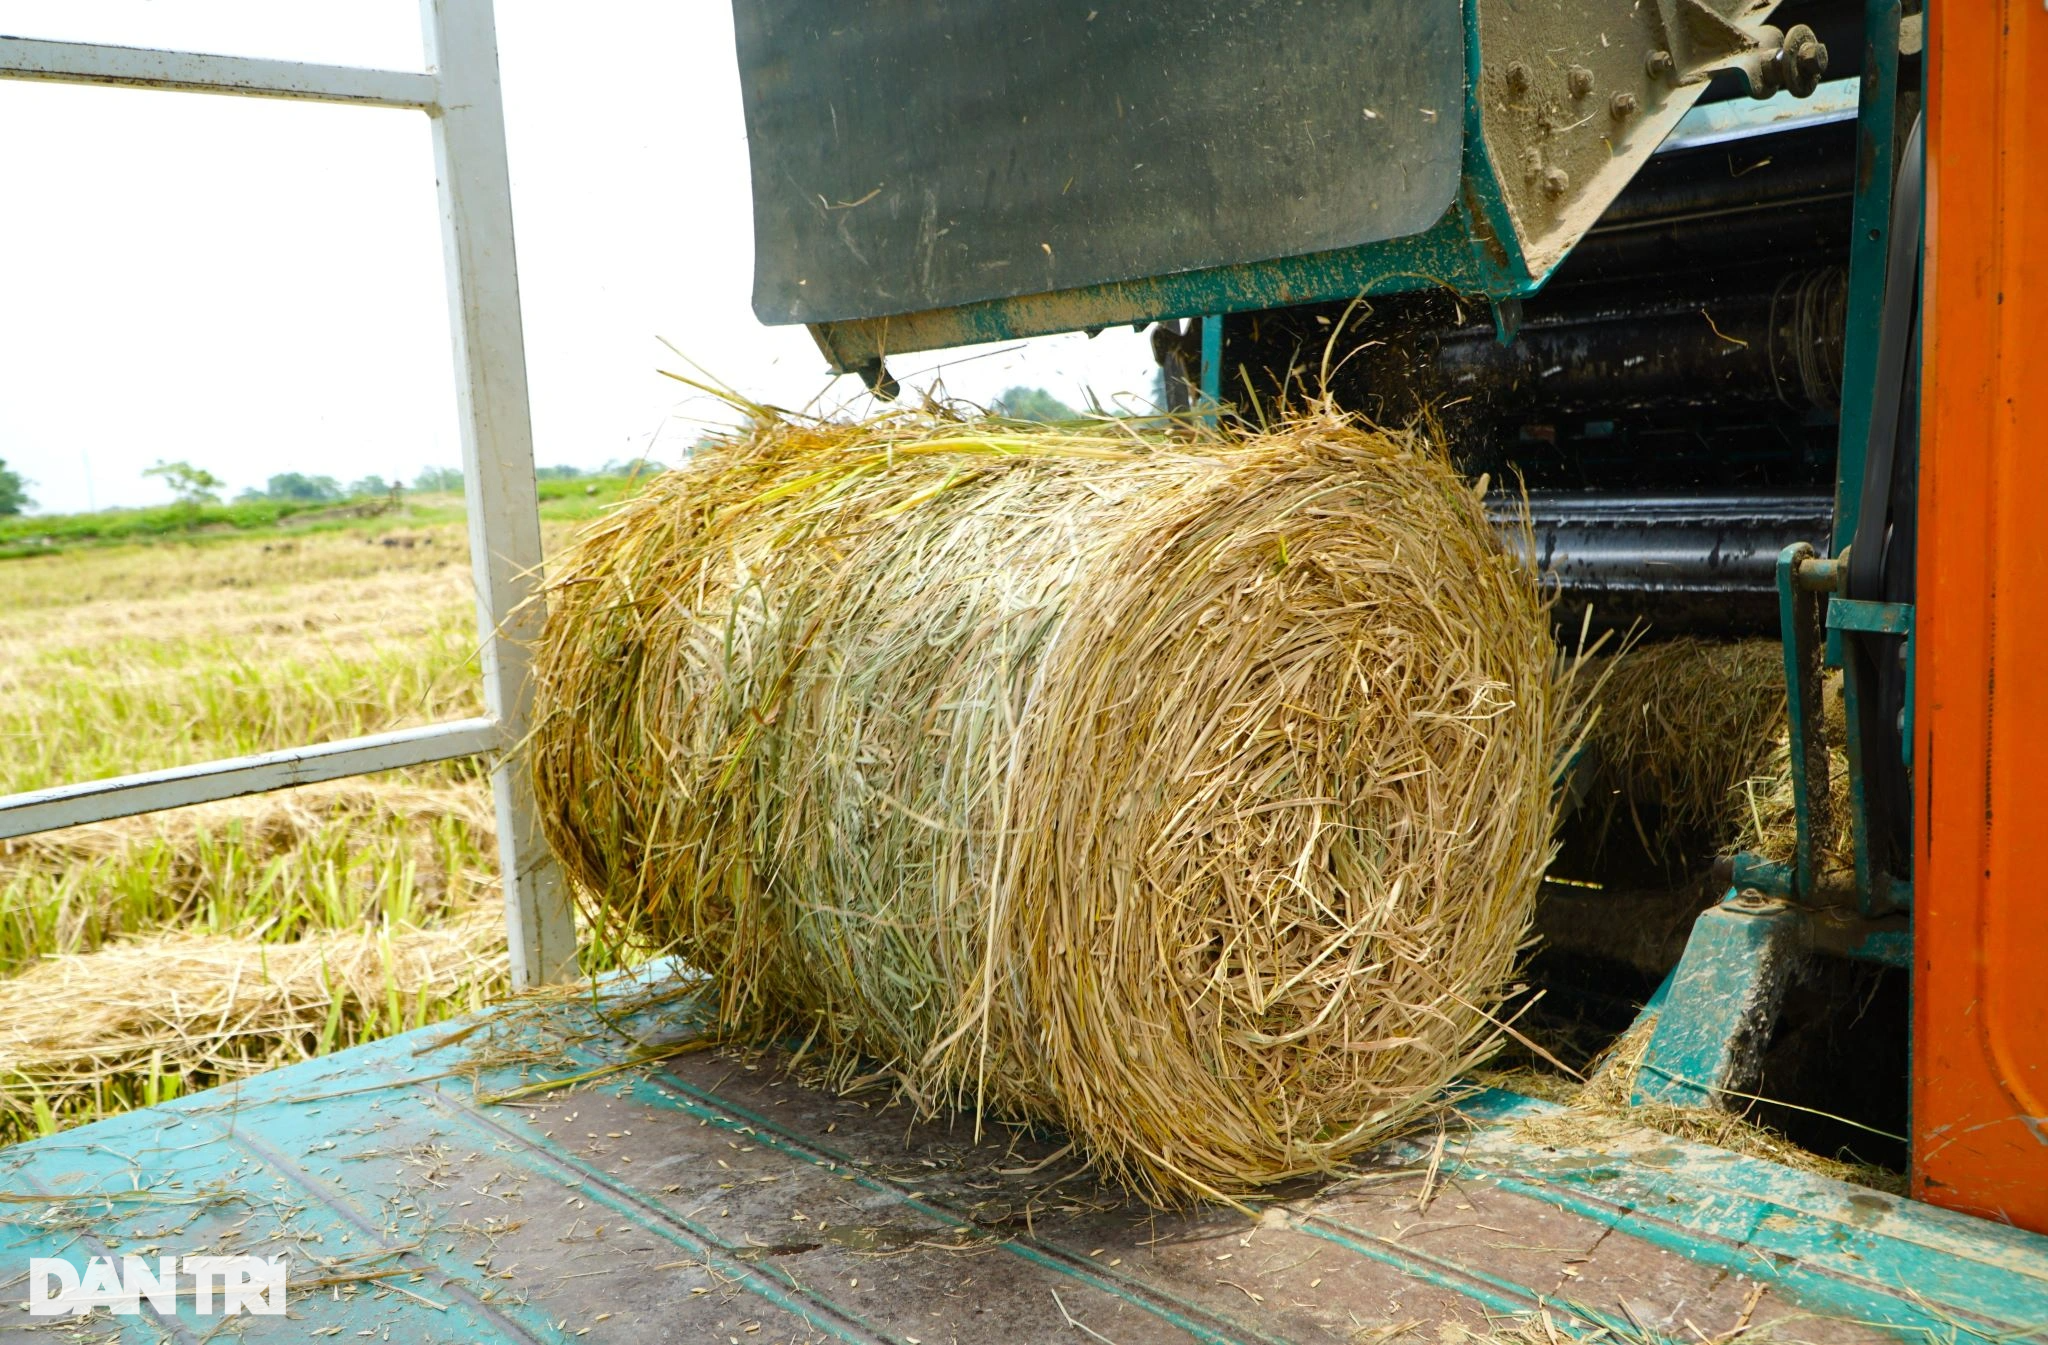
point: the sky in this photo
(255, 286)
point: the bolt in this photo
(1556, 181)
(1579, 80)
(1518, 77)
(1799, 63)
(1658, 64)
(1622, 106)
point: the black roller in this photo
(1681, 563)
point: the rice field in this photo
(151, 956)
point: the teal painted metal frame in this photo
(1919, 1273)
(1821, 614)
(1877, 146)
(1719, 1002)
(1811, 611)
(1212, 369)
(1877, 136)
(1804, 582)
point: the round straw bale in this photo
(1681, 724)
(1190, 797)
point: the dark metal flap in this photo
(916, 154)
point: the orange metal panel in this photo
(1980, 1086)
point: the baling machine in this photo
(1744, 294)
(1660, 263)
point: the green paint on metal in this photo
(1878, 618)
(1881, 618)
(1801, 632)
(1926, 1274)
(323, 1147)
(1877, 135)
(1877, 146)
(1760, 875)
(668, 1090)
(1212, 368)
(1890, 947)
(1722, 999)
(1441, 256)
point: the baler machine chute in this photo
(1640, 255)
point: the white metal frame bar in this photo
(196, 72)
(180, 786)
(460, 91)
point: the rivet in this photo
(1579, 80)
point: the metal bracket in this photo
(1804, 583)
(1720, 1002)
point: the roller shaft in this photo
(1684, 563)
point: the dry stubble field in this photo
(151, 956)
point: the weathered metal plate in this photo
(714, 1197)
(918, 154)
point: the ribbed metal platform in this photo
(422, 1196)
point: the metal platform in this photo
(706, 1196)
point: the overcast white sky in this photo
(256, 286)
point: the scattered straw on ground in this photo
(1598, 1113)
(1192, 797)
(1682, 724)
(140, 1021)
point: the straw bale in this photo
(1681, 725)
(1192, 797)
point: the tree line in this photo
(195, 485)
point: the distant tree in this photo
(1030, 404)
(630, 467)
(189, 484)
(13, 491)
(557, 473)
(370, 485)
(438, 479)
(298, 486)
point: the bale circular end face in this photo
(1190, 797)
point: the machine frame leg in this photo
(1721, 1001)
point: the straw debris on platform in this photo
(1189, 795)
(1600, 1113)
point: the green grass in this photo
(42, 534)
